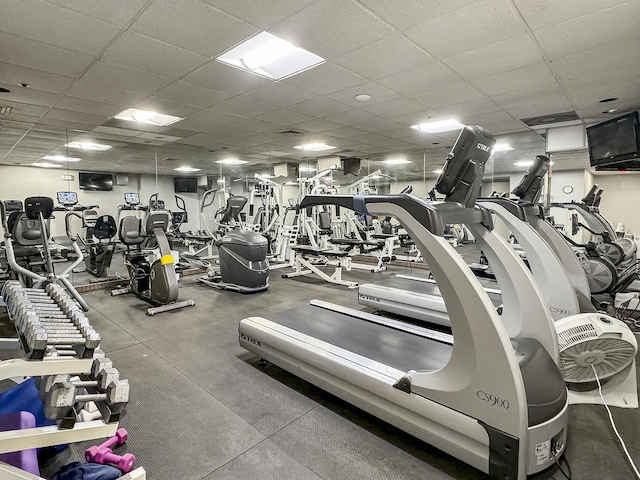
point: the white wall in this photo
(21, 182)
(620, 199)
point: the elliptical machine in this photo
(242, 255)
(152, 280)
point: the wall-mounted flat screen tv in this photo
(95, 181)
(185, 185)
(614, 141)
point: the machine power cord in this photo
(624, 446)
(566, 474)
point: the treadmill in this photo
(491, 394)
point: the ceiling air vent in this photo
(550, 118)
(6, 110)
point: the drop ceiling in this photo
(486, 62)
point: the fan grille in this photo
(607, 355)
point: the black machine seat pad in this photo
(309, 250)
(105, 227)
(130, 231)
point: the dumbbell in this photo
(63, 396)
(100, 381)
(118, 439)
(123, 462)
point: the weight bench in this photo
(304, 266)
(381, 247)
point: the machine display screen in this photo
(67, 198)
(131, 198)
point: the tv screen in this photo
(350, 165)
(95, 181)
(185, 185)
(615, 140)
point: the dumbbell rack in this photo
(56, 339)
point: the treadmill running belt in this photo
(427, 288)
(395, 348)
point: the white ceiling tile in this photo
(416, 118)
(320, 107)
(381, 125)
(284, 116)
(125, 78)
(589, 32)
(214, 117)
(119, 12)
(378, 94)
(345, 132)
(33, 97)
(36, 111)
(56, 26)
(352, 117)
(317, 125)
(516, 80)
(418, 80)
(120, 132)
(104, 93)
(38, 56)
(87, 106)
(503, 56)
(12, 75)
(328, 28)
(261, 14)
(145, 53)
(470, 26)
(492, 118)
(244, 107)
(65, 115)
(472, 107)
(412, 12)
(201, 139)
(549, 12)
(226, 79)
(384, 57)
(451, 95)
(394, 108)
(192, 25)
(259, 126)
(192, 94)
(325, 79)
(168, 107)
(529, 96)
(279, 94)
(541, 108)
(625, 95)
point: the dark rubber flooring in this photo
(201, 408)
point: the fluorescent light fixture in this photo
(438, 127)
(270, 56)
(187, 169)
(61, 158)
(502, 147)
(396, 161)
(46, 165)
(439, 171)
(314, 147)
(99, 147)
(307, 169)
(231, 161)
(525, 163)
(145, 116)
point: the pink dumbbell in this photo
(118, 439)
(124, 462)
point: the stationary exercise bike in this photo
(152, 280)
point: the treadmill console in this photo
(462, 172)
(530, 187)
(67, 199)
(132, 199)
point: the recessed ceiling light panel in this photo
(187, 169)
(61, 158)
(439, 171)
(396, 161)
(46, 165)
(502, 147)
(314, 147)
(438, 127)
(145, 116)
(99, 147)
(270, 56)
(231, 161)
